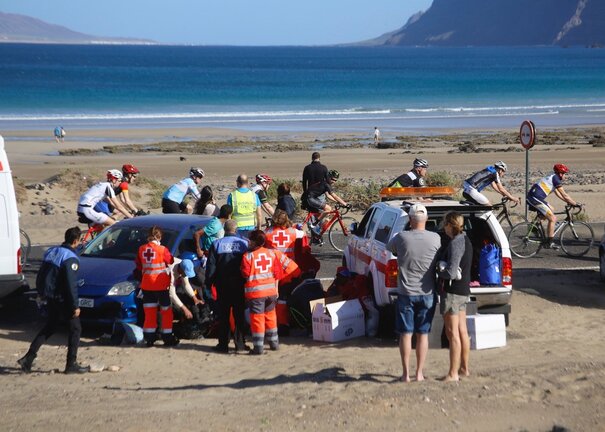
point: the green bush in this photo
(156, 190)
(442, 178)
(360, 196)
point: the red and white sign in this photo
(527, 134)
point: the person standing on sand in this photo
(56, 281)
(416, 252)
(455, 271)
(376, 136)
(246, 207)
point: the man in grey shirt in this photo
(416, 252)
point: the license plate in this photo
(85, 302)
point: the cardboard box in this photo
(338, 321)
(486, 331)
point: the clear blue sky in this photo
(226, 22)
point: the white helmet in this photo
(114, 174)
(501, 165)
(420, 163)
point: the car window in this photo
(373, 222)
(123, 242)
(361, 229)
(385, 226)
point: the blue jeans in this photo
(414, 313)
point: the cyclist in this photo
(491, 175)
(129, 173)
(103, 191)
(172, 200)
(316, 198)
(536, 199)
(263, 181)
(414, 178)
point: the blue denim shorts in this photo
(414, 313)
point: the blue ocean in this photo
(298, 88)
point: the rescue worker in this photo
(246, 207)
(414, 178)
(56, 282)
(282, 236)
(262, 268)
(223, 271)
(152, 263)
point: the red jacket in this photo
(262, 269)
(152, 261)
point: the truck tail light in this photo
(507, 271)
(19, 269)
(390, 274)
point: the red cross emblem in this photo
(149, 255)
(280, 239)
(263, 263)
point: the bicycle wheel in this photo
(339, 238)
(26, 246)
(576, 239)
(525, 240)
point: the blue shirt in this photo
(177, 191)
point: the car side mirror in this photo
(353, 228)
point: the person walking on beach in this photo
(414, 178)
(377, 136)
(59, 134)
(174, 197)
(491, 175)
(416, 252)
(455, 272)
(56, 282)
(223, 271)
(246, 207)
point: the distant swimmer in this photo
(59, 134)
(376, 135)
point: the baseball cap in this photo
(417, 210)
(187, 266)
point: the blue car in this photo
(106, 284)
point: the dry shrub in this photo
(156, 190)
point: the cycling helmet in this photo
(263, 178)
(114, 175)
(501, 165)
(421, 163)
(129, 169)
(560, 169)
(333, 174)
(196, 172)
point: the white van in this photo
(11, 276)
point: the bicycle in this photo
(527, 238)
(26, 246)
(505, 215)
(338, 233)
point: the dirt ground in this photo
(551, 373)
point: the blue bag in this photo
(489, 265)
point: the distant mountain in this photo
(503, 22)
(21, 28)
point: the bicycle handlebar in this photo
(578, 208)
(345, 207)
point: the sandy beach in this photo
(551, 373)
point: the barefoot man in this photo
(416, 252)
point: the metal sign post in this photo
(527, 136)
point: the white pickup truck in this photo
(366, 251)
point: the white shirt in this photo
(96, 194)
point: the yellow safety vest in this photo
(244, 208)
